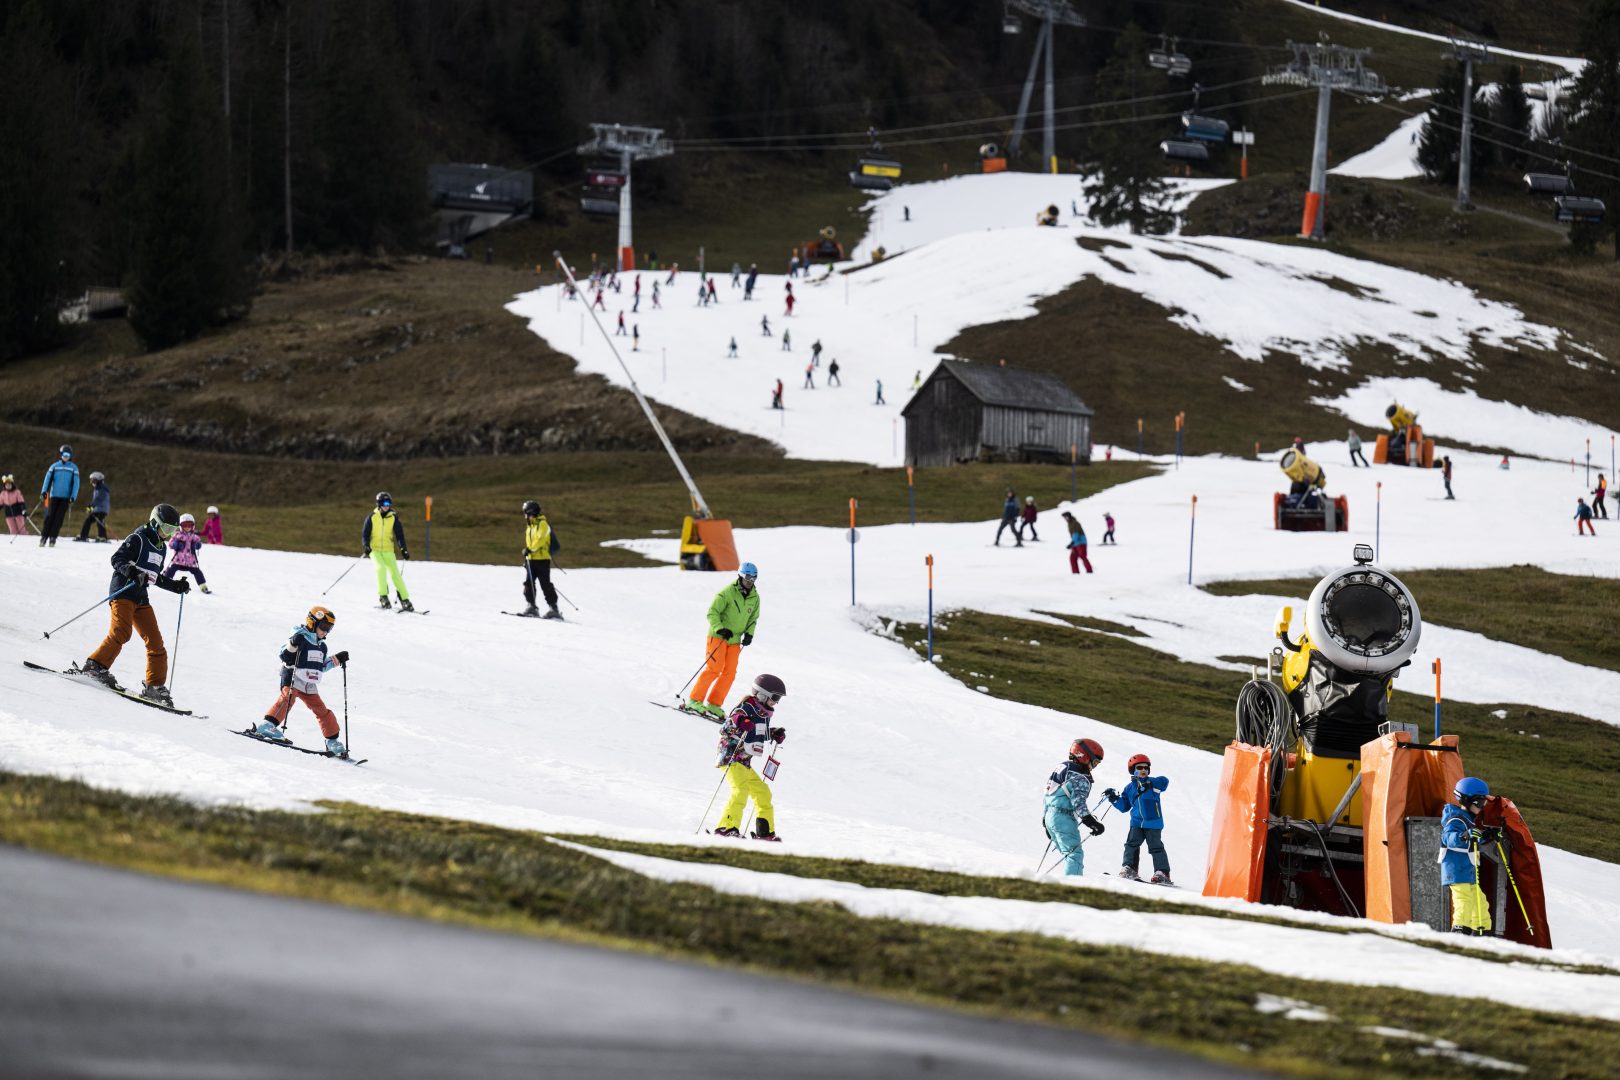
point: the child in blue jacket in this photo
(1460, 837)
(1068, 792)
(1141, 799)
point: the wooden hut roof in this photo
(993, 384)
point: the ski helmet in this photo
(1086, 751)
(531, 508)
(768, 690)
(319, 617)
(187, 519)
(384, 499)
(749, 571)
(1470, 788)
(214, 510)
(1138, 759)
(8, 479)
(97, 477)
(65, 451)
(165, 520)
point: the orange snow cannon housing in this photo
(706, 544)
(1419, 451)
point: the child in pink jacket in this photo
(213, 530)
(185, 544)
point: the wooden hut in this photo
(985, 412)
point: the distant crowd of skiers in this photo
(1021, 519)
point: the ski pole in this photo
(571, 604)
(346, 704)
(682, 691)
(1500, 854)
(713, 797)
(1044, 854)
(343, 575)
(175, 666)
(91, 608)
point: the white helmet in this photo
(213, 510)
(187, 519)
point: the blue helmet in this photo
(1471, 787)
(749, 570)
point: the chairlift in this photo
(1535, 91)
(1205, 128)
(1547, 184)
(1580, 208)
(1010, 24)
(1184, 150)
(1168, 58)
(875, 174)
(600, 195)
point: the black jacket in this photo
(142, 549)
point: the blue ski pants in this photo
(1064, 832)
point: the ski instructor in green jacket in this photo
(732, 619)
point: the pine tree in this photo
(1125, 175)
(36, 183)
(1593, 108)
(1511, 111)
(1442, 132)
(186, 269)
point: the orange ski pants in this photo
(719, 673)
(128, 617)
(278, 712)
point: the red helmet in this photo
(1086, 751)
(1138, 759)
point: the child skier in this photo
(1009, 520)
(136, 564)
(538, 545)
(304, 660)
(1141, 798)
(1077, 544)
(213, 530)
(1460, 837)
(733, 615)
(1108, 526)
(1583, 518)
(101, 505)
(185, 545)
(1445, 474)
(742, 738)
(1068, 790)
(381, 537)
(15, 504)
(1027, 517)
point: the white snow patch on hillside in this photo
(1393, 159)
(1568, 63)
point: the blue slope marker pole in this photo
(852, 539)
(1192, 530)
(930, 609)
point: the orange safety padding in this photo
(1313, 203)
(1237, 841)
(1343, 503)
(1381, 451)
(1525, 863)
(1276, 509)
(1428, 453)
(995, 164)
(1397, 784)
(627, 259)
(715, 536)
(1414, 447)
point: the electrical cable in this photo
(1525, 150)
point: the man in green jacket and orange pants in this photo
(733, 616)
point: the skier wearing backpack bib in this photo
(742, 738)
(1068, 790)
(304, 660)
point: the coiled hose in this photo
(1264, 718)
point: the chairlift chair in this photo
(1581, 208)
(1205, 128)
(1184, 150)
(875, 174)
(1010, 24)
(1535, 91)
(1180, 65)
(1546, 183)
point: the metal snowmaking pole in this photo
(631, 144)
(699, 507)
(1051, 13)
(1328, 68)
(1468, 52)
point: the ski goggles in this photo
(166, 530)
(767, 698)
(66, 455)
(1143, 768)
(1473, 802)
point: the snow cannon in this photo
(825, 248)
(1049, 216)
(1307, 507)
(1325, 804)
(1404, 443)
(991, 158)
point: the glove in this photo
(1093, 824)
(342, 658)
(179, 585)
(779, 734)
(1488, 834)
(748, 639)
(286, 676)
(1111, 795)
(723, 634)
(365, 552)
(405, 555)
(134, 572)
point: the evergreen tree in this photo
(1124, 179)
(186, 269)
(1511, 111)
(36, 183)
(1441, 137)
(1593, 109)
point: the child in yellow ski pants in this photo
(746, 784)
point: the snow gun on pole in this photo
(705, 541)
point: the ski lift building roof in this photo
(985, 412)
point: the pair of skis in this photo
(253, 734)
(74, 675)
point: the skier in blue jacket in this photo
(1460, 838)
(59, 489)
(1141, 798)
(1009, 520)
(1068, 792)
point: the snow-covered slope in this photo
(971, 256)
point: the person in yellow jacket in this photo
(383, 538)
(538, 545)
(733, 616)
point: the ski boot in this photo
(714, 712)
(1161, 877)
(157, 693)
(530, 612)
(335, 747)
(81, 539)
(382, 602)
(762, 831)
(204, 588)
(100, 674)
(269, 729)
(727, 831)
(1129, 873)
(552, 613)
(405, 605)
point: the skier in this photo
(600, 303)
(635, 337)
(832, 373)
(742, 738)
(1108, 526)
(657, 304)
(1583, 518)
(815, 358)
(185, 544)
(1445, 474)
(59, 488)
(1141, 798)
(1068, 790)
(809, 376)
(137, 564)
(880, 400)
(1009, 519)
(1598, 494)
(304, 660)
(703, 294)
(765, 326)
(736, 275)
(1077, 544)
(1354, 443)
(790, 300)
(620, 331)
(776, 395)
(714, 297)
(793, 267)
(674, 272)
(733, 615)
(101, 506)
(731, 353)
(389, 534)
(916, 380)
(213, 530)
(787, 340)
(1028, 517)
(753, 276)
(1460, 837)
(538, 546)
(15, 503)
